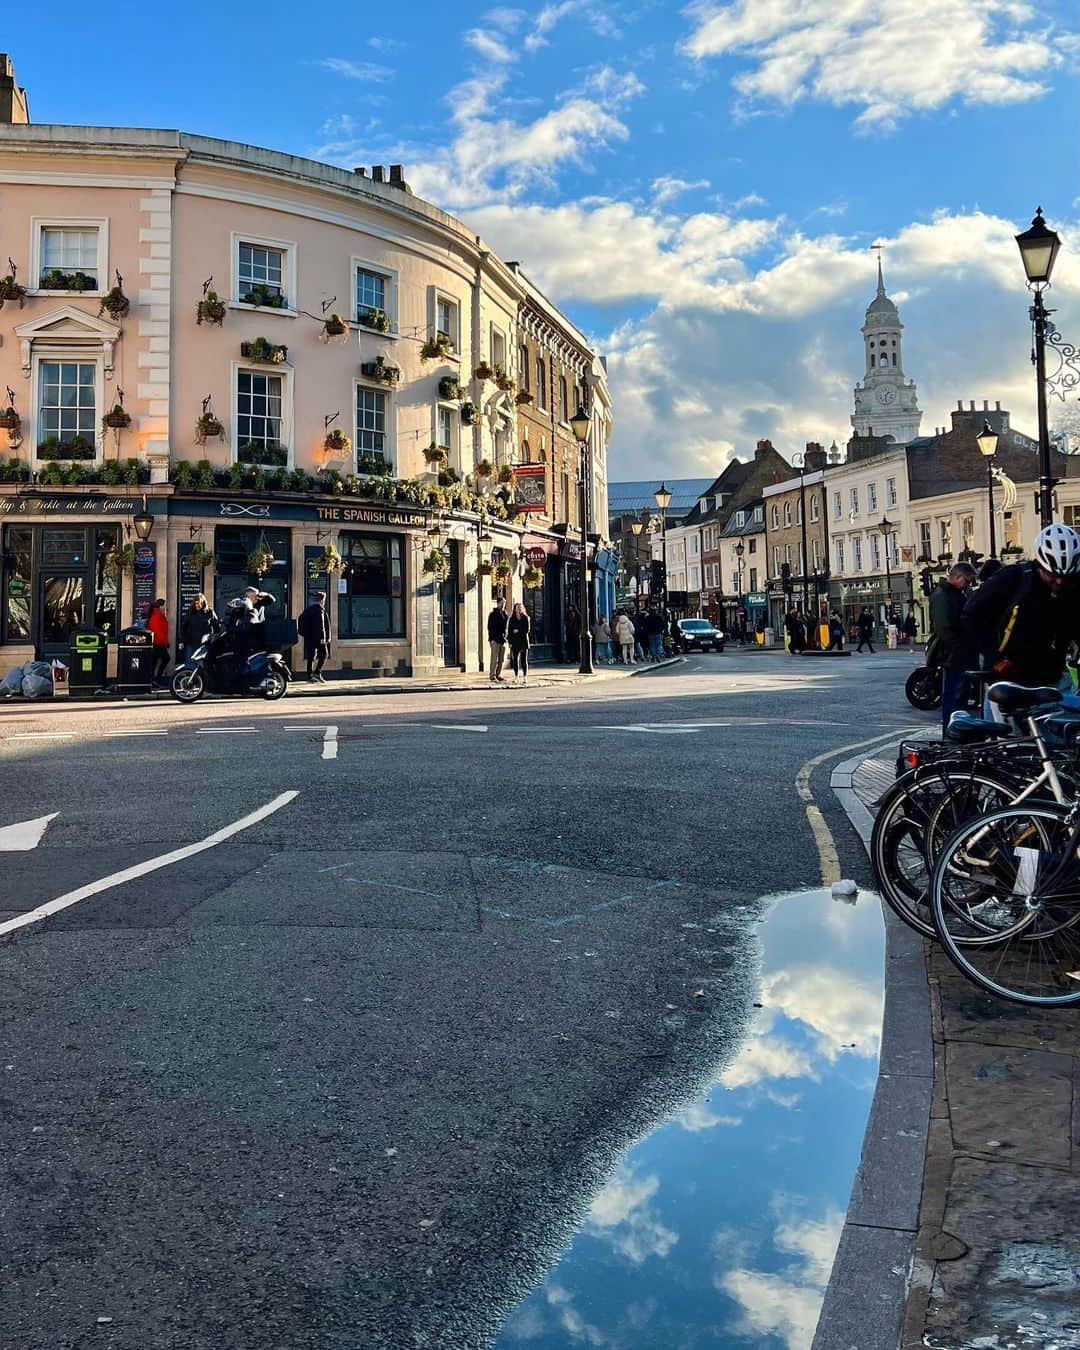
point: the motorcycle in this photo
(214, 667)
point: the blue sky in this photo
(698, 186)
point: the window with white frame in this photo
(70, 256)
(856, 554)
(840, 555)
(444, 428)
(371, 410)
(894, 550)
(853, 498)
(871, 496)
(875, 552)
(787, 554)
(67, 411)
(890, 492)
(564, 400)
(925, 542)
(523, 367)
(967, 531)
(260, 274)
(787, 513)
(751, 545)
(260, 418)
(759, 515)
(446, 319)
(774, 518)
(945, 528)
(815, 555)
(837, 506)
(372, 298)
(541, 382)
(498, 348)
(798, 512)
(815, 513)
(776, 559)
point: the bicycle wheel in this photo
(1015, 872)
(898, 844)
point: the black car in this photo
(698, 635)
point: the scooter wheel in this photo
(276, 685)
(923, 689)
(187, 686)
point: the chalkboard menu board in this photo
(189, 581)
(144, 583)
(425, 619)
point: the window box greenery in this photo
(504, 381)
(53, 279)
(14, 471)
(370, 316)
(262, 349)
(114, 302)
(437, 348)
(380, 370)
(448, 477)
(484, 372)
(9, 419)
(11, 290)
(76, 448)
(117, 419)
(120, 559)
(450, 389)
(523, 398)
(533, 578)
(373, 465)
(436, 454)
(469, 413)
(1011, 549)
(484, 469)
(255, 452)
(208, 427)
(211, 309)
(335, 327)
(337, 442)
(437, 565)
(264, 296)
(129, 473)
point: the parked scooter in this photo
(215, 667)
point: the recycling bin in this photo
(135, 661)
(88, 654)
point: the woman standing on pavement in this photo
(517, 636)
(158, 626)
(199, 620)
(624, 635)
(602, 641)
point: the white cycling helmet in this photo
(1058, 550)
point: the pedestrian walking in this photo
(517, 634)
(198, 621)
(951, 647)
(836, 632)
(158, 625)
(911, 628)
(624, 636)
(602, 640)
(866, 630)
(573, 635)
(313, 626)
(497, 624)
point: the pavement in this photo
(962, 1231)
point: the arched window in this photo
(787, 513)
(541, 383)
(873, 358)
(894, 358)
(775, 518)
(526, 453)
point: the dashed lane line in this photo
(330, 743)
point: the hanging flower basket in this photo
(503, 571)
(504, 381)
(435, 454)
(200, 558)
(380, 370)
(211, 309)
(484, 372)
(329, 561)
(337, 442)
(449, 388)
(437, 348)
(119, 560)
(335, 329)
(11, 290)
(437, 565)
(118, 419)
(261, 560)
(506, 474)
(533, 578)
(114, 303)
(262, 349)
(207, 427)
(484, 469)
(469, 413)
(523, 398)
(369, 316)
(9, 420)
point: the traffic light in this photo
(657, 576)
(785, 578)
(926, 578)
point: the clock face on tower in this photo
(886, 395)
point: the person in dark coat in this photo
(517, 636)
(313, 626)
(497, 623)
(951, 646)
(199, 620)
(836, 632)
(911, 628)
(866, 630)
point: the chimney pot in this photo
(377, 173)
(972, 405)
(360, 170)
(997, 405)
(960, 405)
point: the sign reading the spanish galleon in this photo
(370, 515)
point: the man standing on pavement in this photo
(866, 630)
(654, 629)
(950, 646)
(498, 620)
(314, 627)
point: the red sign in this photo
(530, 487)
(537, 557)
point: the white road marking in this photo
(147, 731)
(25, 834)
(227, 731)
(329, 744)
(42, 736)
(142, 869)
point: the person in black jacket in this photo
(866, 630)
(951, 648)
(313, 626)
(517, 632)
(199, 620)
(497, 623)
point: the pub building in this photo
(218, 363)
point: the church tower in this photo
(886, 403)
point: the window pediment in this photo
(68, 325)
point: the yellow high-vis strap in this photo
(1008, 628)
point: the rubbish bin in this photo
(769, 637)
(88, 654)
(135, 661)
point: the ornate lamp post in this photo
(987, 441)
(886, 526)
(579, 425)
(663, 501)
(1038, 250)
(637, 526)
(740, 549)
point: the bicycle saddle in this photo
(1016, 698)
(966, 729)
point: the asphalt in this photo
(349, 1078)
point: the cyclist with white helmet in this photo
(1026, 615)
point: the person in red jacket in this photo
(158, 625)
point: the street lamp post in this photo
(987, 441)
(1038, 250)
(740, 549)
(485, 546)
(886, 527)
(579, 425)
(637, 526)
(663, 501)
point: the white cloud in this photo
(489, 46)
(667, 188)
(762, 1059)
(621, 1214)
(697, 1117)
(840, 1009)
(891, 61)
(546, 20)
(358, 70)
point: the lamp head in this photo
(1038, 249)
(663, 497)
(143, 523)
(987, 440)
(579, 424)
(637, 526)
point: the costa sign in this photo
(535, 556)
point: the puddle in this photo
(719, 1228)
